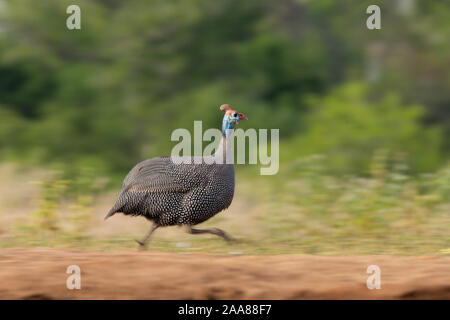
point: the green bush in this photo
(348, 126)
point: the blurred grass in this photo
(363, 119)
(302, 210)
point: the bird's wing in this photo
(161, 175)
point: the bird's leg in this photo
(216, 231)
(144, 241)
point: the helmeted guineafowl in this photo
(169, 193)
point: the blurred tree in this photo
(109, 95)
(349, 128)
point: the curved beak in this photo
(242, 116)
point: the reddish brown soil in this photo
(41, 274)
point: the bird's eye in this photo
(235, 114)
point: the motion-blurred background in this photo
(363, 118)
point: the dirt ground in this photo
(40, 273)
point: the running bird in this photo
(187, 193)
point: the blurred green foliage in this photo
(348, 127)
(309, 212)
(389, 211)
(64, 211)
(109, 95)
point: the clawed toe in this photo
(229, 239)
(222, 234)
(142, 245)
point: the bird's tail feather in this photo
(111, 212)
(116, 208)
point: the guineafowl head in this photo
(231, 118)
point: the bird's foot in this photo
(223, 234)
(142, 245)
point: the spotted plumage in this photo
(169, 193)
